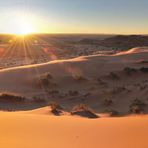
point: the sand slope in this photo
(98, 85)
(29, 130)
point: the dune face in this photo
(23, 129)
(120, 79)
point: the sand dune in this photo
(134, 50)
(89, 80)
(28, 130)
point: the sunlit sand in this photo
(73, 74)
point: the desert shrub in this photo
(46, 83)
(79, 78)
(55, 105)
(112, 112)
(144, 70)
(46, 80)
(49, 76)
(129, 70)
(83, 110)
(114, 76)
(143, 87)
(56, 109)
(137, 106)
(118, 90)
(135, 109)
(73, 93)
(9, 98)
(108, 102)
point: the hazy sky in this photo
(74, 16)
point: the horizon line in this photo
(41, 33)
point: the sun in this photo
(25, 28)
(23, 23)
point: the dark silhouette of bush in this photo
(135, 109)
(9, 98)
(112, 112)
(46, 80)
(144, 70)
(117, 90)
(114, 76)
(73, 93)
(137, 106)
(129, 71)
(56, 109)
(49, 76)
(79, 78)
(84, 111)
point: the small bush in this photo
(144, 70)
(73, 93)
(56, 109)
(46, 83)
(79, 78)
(137, 106)
(117, 90)
(84, 111)
(114, 76)
(112, 112)
(49, 76)
(135, 109)
(129, 70)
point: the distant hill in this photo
(123, 42)
(126, 41)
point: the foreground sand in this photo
(37, 130)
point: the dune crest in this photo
(134, 50)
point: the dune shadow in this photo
(20, 106)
